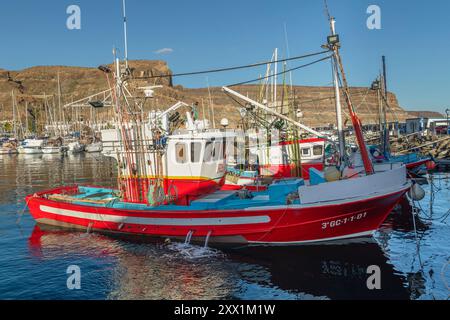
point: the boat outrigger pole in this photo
(275, 113)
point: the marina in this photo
(246, 190)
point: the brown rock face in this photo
(316, 103)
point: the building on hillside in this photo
(426, 126)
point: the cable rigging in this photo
(231, 68)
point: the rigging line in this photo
(389, 107)
(280, 73)
(231, 68)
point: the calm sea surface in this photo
(34, 262)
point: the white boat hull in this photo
(95, 147)
(30, 150)
(51, 150)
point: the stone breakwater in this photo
(436, 146)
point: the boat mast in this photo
(61, 113)
(334, 45)
(386, 146)
(275, 72)
(14, 115)
(26, 118)
(340, 126)
(125, 33)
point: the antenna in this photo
(326, 9)
(125, 33)
(330, 18)
(288, 51)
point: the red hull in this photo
(282, 225)
(416, 164)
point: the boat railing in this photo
(150, 144)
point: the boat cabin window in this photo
(305, 152)
(217, 152)
(208, 151)
(196, 148)
(180, 152)
(317, 150)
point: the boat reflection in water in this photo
(136, 270)
(156, 270)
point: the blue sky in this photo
(208, 34)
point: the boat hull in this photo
(51, 150)
(7, 151)
(94, 148)
(278, 225)
(30, 150)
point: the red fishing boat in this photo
(169, 186)
(288, 212)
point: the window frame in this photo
(192, 152)
(185, 156)
(314, 150)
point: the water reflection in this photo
(333, 271)
(141, 270)
(162, 271)
(34, 259)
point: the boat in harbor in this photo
(9, 147)
(285, 159)
(169, 183)
(75, 147)
(94, 147)
(53, 146)
(51, 150)
(288, 213)
(31, 146)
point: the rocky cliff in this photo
(317, 103)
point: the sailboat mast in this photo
(14, 115)
(26, 118)
(125, 33)
(275, 72)
(61, 114)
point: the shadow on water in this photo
(158, 270)
(331, 271)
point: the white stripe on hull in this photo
(157, 221)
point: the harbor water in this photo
(35, 262)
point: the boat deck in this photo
(276, 194)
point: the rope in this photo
(231, 68)
(19, 219)
(280, 73)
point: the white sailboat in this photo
(31, 146)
